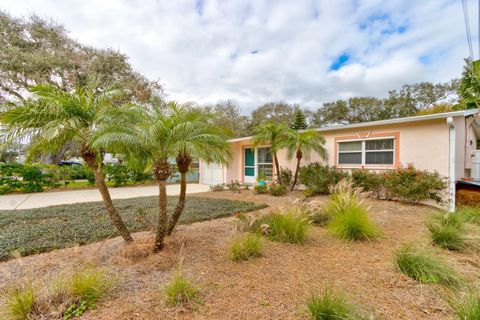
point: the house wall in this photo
(423, 143)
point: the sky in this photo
(253, 52)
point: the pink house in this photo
(443, 142)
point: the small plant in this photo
(277, 189)
(234, 186)
(447, 231)
(469, 214)
(89, 285)
(468, 307)
(261, 176)
(285, 177)
(317, 213)
(217, 187)
(259, 189)
(290, 226)
(180, 290)
(247, 247)
(425, 267)
(349, 213)
(20, 303)
(331, 306)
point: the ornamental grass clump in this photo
(469, 214)
(424, 266)
(246, 247)
(180, 290)
(290, 226)
(330, 305)
(447, 231)
(468, 306)
(349, 213)
(20, 303)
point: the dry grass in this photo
(273, 286)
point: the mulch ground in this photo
(274, 286)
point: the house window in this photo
(366, 152)
(264, 162)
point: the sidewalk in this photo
(46, 199)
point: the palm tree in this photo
(301, 144)
(469, 89)
(195, 137)
(58, 117)
(272, 134)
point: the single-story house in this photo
(448, 143)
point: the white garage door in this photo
(211, 174)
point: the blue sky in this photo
(252, 52)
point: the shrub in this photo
(330, 306)
(180, 290)
(234, 186)
(285, 177)
(447, 231)
(349, 213)
(425, 267)
(411, 185)
(217, 187)
(319, 179)
(260, 188)
(247, 247)
(20, 303)
(117, 173)
(288, 227)
(277, 189)
(369, 181)
(467, 308)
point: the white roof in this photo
(461, 113)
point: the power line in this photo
(467, 28)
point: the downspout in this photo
(452, 138)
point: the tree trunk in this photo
(277, 167)
(299, 157)
(162, 216)
(181, 203)
(183, 164)
(107, 200)
(161, 172)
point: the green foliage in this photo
(299, 123)
(319, 178)
(447, 231)
(20, 303)
(349, 213)
(75, 310)
(46, 229)
(285, 177)
(23, 178)
(180, 290)
(330, 305)
(218, 187)
(247, 247)
(259, 189)
(317, 213)
(277, 189)
(89, 285)
(470, 84)
(411, 185)
(469, 214)
(369, 181)
(234, 186)
(424, 266)
(289, 227)
(468, 306)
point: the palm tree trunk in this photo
(181, 203)
(299, 157)
(107, 201)
(277, 167)
(162, 216)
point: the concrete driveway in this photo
(46, 199)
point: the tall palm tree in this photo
(273, 134)
(195, 137)
(301, 144)
(469, 89)
(58, 117)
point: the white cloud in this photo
(259, 51)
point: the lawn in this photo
(44, 229)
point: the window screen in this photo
(380, 152)
(350, 158)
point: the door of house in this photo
(249, 165)
(476, 165)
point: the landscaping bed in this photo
(38, 230)
(275, 285)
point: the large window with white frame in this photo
(367, 152)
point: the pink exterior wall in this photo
(423, 143)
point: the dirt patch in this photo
(273, 286)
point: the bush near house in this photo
(319, 178)
(277, 189)
(369, 181)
